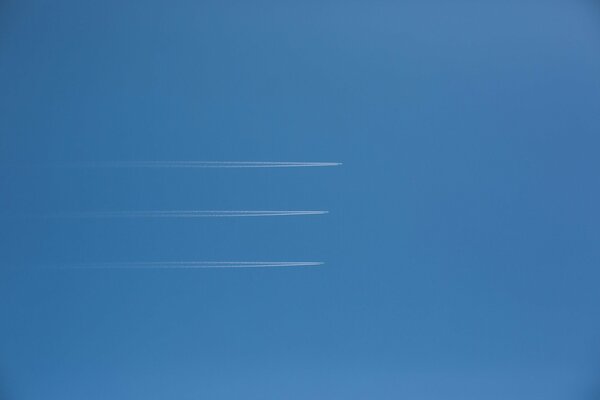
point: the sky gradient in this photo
(461, 248)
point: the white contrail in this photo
(196, 265)
(187, 214)
(204, 164)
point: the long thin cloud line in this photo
(194, 265)
(185, 214)
(204, 164)
(207, 262)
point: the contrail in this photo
(204, 164)
(185, 214)
(196, 265)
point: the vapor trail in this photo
(187, 214)
(196, 265)
(205, 164)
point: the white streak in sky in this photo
(205, 164)
(186, 214)
(196, 265)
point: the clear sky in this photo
(462, 245)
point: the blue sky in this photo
(461, 247)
